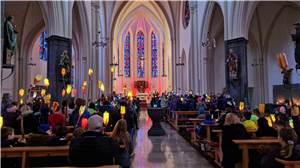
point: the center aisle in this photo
(169, 151)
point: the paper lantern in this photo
(112, 69)
(37, 78)
(282, 61)
(129, 94)
(84, 122)
(291, 123)
(105, 118)
(84, 83)
(1, 121)
(242, 106)
(21, 92)
(81, 110)
(74, 91)
(90, 72)
(99, 84)
(269, 121)
(261, 108)
(69, 89)
(63, 92)
(273, 118)
(83, 88)
(21, 101)
(123, 110)
(43, 92)
(102, 88)
(46, 82)
(63, 72)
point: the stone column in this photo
(237, 86)
(56, 46)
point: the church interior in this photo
(150, 84)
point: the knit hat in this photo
(95, 123)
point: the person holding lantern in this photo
(56, 117)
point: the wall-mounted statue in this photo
(283, 65)
(296, 38)
(232, 62)
(64, 62)
(10, 40)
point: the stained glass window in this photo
(43, 46)
(154, 56)
(127, 56)
(140, 55)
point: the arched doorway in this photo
(141, 50)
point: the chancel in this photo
(150, 84)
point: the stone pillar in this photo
(237, 85)
(56, 46)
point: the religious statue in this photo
(283, 65)
(64, 63)
(10, 40)
(186, 14)
(296, 38)
(232, 62)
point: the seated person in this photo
(232, 129)
(78, 132)
(8, 138)
(249, 124)
(56, 117)
(93, 148)
(264, 130)
(287, 150)
(58, 137)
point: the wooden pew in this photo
(289, 164)
(183, 116)
(37, 151)
(195, 121)
(245, 144)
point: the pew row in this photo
(289, 164)
(182, 119)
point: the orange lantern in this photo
(261, 108)
(69, 89)
(63, 72)
(63, 93)
(242, 106)
(84, 123)
(105, 118)
(37, 78)
(46, 82)
(43, 92)
(21, 92)
(84, 83)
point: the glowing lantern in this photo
(83, 88)
(129, 94)
(90, 72)
(242, 106)
(69, 89)
(84, 83)
(291, 123)
(112, 69)
(105, 118)
(81, 110)
(269, 121)
(273, 117)
(102, 88)
(261, 108)
(21, 101)
(63, 72)
(84, 122)
(74, 92)
(1, 121)
(123, 110)
(99, 84)
(43, 92)
(21, 92)
(46, 82)
(37, 78)
(63, 93)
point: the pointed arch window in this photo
(127, 56)
(43, 46)
(140, 55)
(154, 66)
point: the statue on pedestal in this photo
(283, 65)
(232, 62)
(64, 62)
(10, 40)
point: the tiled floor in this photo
(166, 151)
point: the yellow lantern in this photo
(1, 121)
(21, 101)
(90, 72)
(69, 89)
(99, 84)
(21, 92)
(105, 118)
(63, 92)
(269, 121)
(291, 123)
(43, 92)
(261, 108)
(63, 72)
(129, 94)
(84, 83)
(242, 106)
(112, 69)
(102, 88)
(123, 110)
(273, 117)
(46, 82)
(37, 78)
(81, 110)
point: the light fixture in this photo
(102, 43)
(210, 42)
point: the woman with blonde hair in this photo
(121, 136)
(232, 129)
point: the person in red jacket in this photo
(56, 117)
